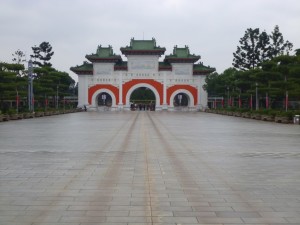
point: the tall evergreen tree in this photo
(264, 47)
(256, 47)
(278, 45)
(43, 53)
(11, 84)
(247, 55)
(18, 57)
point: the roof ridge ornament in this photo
(98, 49)
(154, 41)
(175, 50)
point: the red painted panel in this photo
(97, 87)
(157, 85)
(189, 88)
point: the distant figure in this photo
(84, 108)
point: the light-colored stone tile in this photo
(144, 168)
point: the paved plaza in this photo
(142, 168)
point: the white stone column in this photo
(120, 104)
(165, 105)
(202, 94)
(83, 90)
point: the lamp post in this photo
(179, 98)
(286, 100)
(57, 97)
(103, 98)
(227, 96)
(286, 94)
(256, 97)
(251, 104)
(46, 102)
(30, 87)
(17, 101)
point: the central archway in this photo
(142, 94)
(142, 98)
(142, 85)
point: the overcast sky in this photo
(74, 28)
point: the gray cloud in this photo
(75, 28)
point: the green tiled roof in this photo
(121, 66)
(143, 44)
(143, 47)
(104, 54)
(182, 55)
(164, 66)
(200, 69)
(85, 68)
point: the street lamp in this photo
(17, 101)
(286, 95)
(64, 103)
(56, 96)
(256, 97)
(227, 96)
(30, 87)
(179, 98)
(103, 98)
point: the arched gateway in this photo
(175, 81)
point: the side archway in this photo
(94, 100)
(190, 96)
(189, 90)
(97, 89)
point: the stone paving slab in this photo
(142, 168)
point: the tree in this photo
(43, 53)
(256, 47)
(142, 94)
(297, 52)
(264, 47)
(273, 78)
(11, 84)
(247, 55)
(219, 84)
(49, 80)
(19, 57)
(278, 46)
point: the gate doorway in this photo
(104, 99)
(142, 98)
(181, 100)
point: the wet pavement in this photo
(138, 168)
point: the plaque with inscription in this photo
(103, 69)
(182, 71)
(142, 65)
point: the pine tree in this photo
(256, 47)
(278, 46)
(43, 53)
(247, 55)
(264, 47)
(18, 57)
